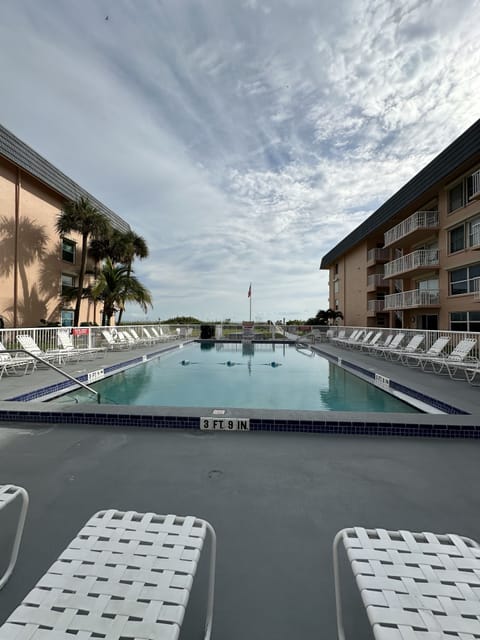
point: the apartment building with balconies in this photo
(415, 262)
(36, 265)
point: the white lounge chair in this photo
(112, 343)
(383, 350)
(136, 337)
(418, 359)
(65, 341)
(125, 575)
(9, 493)
(420, 586)
(149, 338)
(16, 364)
(450, 363)
(57, 356)
(160, 336)
(411, 347)
(368, 345)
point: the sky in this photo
(243, 139)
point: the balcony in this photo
(475, 238)
(377, 281)
(412, 299)
(374, 307)
(378, 255)
(475, 186)
(415, 261)
(476, 290)
(415, 227)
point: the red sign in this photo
(81, 332)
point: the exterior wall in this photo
(37, 266)
(352, 283)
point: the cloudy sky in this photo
(242, 138)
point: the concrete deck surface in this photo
(276, 501)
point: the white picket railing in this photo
(378, 255)
(412, 299)
(414, 260)
(418, 220)
(377, 280)
(475, 185)
(375, 306)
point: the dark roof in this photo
(30, 161)
(462, 149)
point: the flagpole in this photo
(250, 319)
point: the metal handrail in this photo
(52, 366)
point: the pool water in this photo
(265, 376)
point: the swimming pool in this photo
(256, 376)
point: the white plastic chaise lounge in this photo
(65, 341)
(8, 494)
(451, 362)
(371, 343)
(363, 339)
(125, 575)
(342, 339)
(149, 337)
(112, 343)
(159, 334)
(417, 359)
(17, 364)
(414, 586)
(56, 356)
(413, 346)
(137, 338)
(395, 343)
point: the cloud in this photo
(242, 140)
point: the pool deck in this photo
(276, 500)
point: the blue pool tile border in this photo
(331, 426)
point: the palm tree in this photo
(130, 246)
(115, 286)
(82, 217)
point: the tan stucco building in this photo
(34, 262)
(415, 262)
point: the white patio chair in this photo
(16, 364)
(383, 350)
(65, 341)
(112, 343)
(57, 356)
(9, 493)
(417, 359)
(411, 347)
(420, 586)
(452, 362)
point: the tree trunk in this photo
(81, 278)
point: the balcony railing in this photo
(411, 299)
(476, 289)
(378, 255)
(375, 306)
(375, 280)
(475, 185)
(415, 260)
(475, 237)
(418, 220)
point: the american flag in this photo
(249, 291)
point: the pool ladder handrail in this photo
(52, 366)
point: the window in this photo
(456, 239)
(67, 318)
(68, 251)
(463, 280)
(465, 321)
(456, 197)
(68, 282)
(336, 286)
(336, 269)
